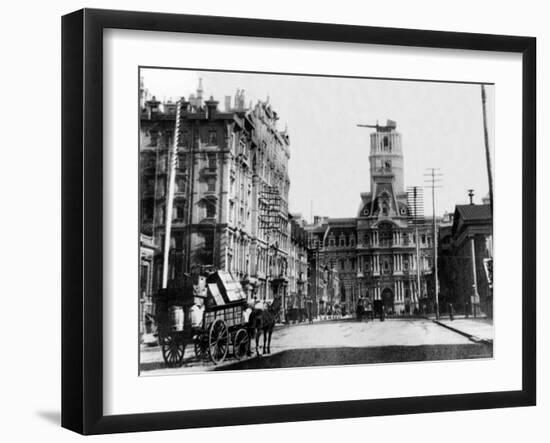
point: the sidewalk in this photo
(476, 329)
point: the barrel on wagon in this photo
(219, 300)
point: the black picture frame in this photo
(82, 215)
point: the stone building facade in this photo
(298, 264)
(375, 252)
(466, 250)
(230, 206)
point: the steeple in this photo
(199, 92)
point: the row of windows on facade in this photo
(209, 211)
(240, 263)
(384, 240)
(244, 184)
(238, 144)
(266, 158)
(271, 175)
(386, 264)
(211, 138)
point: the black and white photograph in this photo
(267, 222)
(304, 220)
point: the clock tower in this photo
(386, 157)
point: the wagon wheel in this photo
(201, 347)
(173, 349)
(218, 341)
(240, 344)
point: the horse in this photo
(264, 320)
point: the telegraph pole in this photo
(172, 157)
(432, 180)
(487, 150)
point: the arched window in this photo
(385, 234)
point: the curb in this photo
(470, 337)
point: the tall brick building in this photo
(230, 206)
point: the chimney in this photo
(211, 107)
(152, 106)
(184, 104)
(471, 195)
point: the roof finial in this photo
(471, 195)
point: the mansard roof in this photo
(347, 222)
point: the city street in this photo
(340, 342)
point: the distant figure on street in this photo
(246, 314)
(360, 311)
(197, 311)
(249, 327)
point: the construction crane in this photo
(390, 124)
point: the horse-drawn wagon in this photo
(221, 330)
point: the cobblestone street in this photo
(340, 342)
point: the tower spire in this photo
(199, 92)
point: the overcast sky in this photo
(441, 126)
